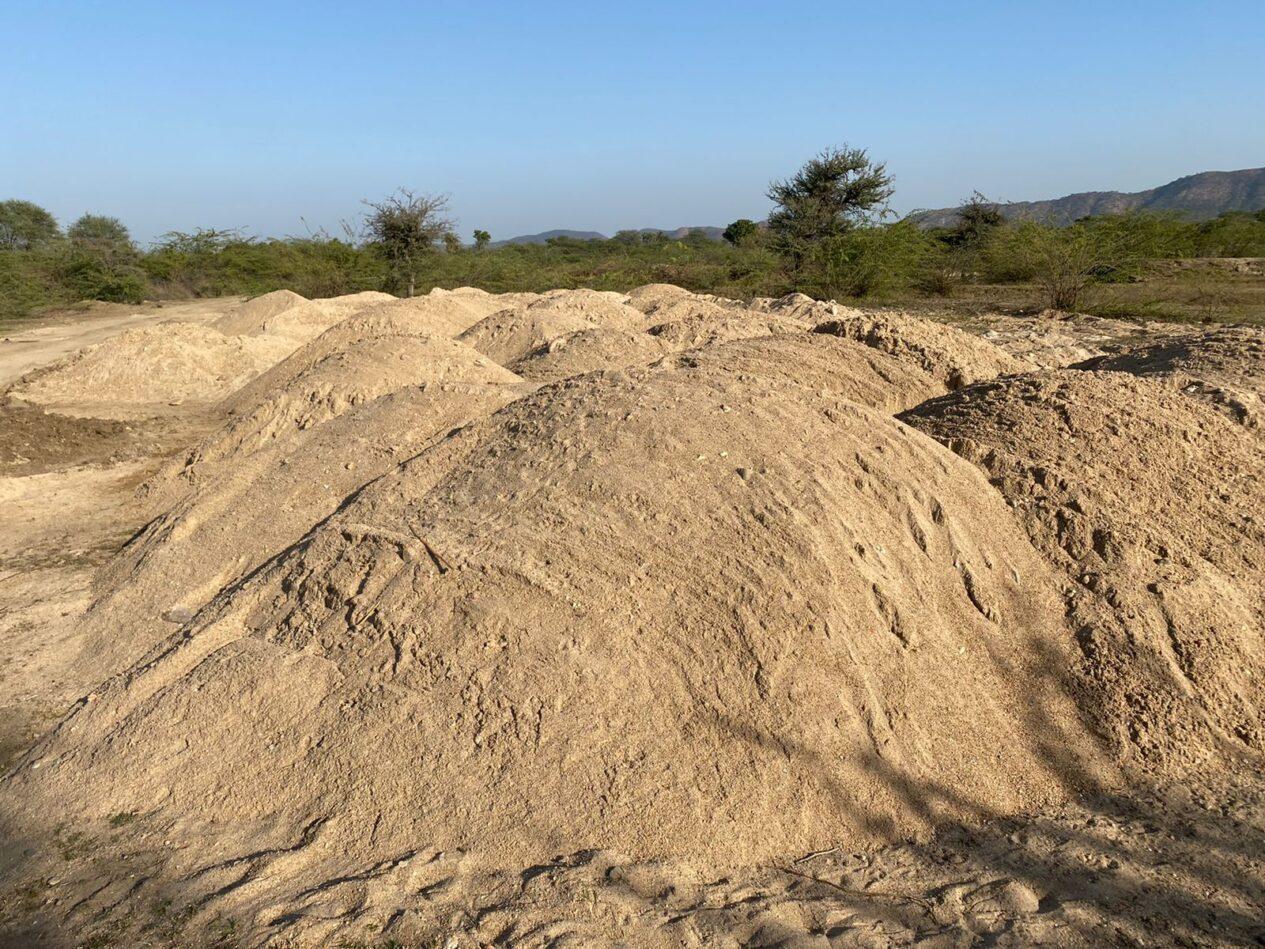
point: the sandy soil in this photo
(1172, 860)
(41, 341)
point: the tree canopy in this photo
(836, 191)
(24, 225)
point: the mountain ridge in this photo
(1200, 196)
(678, 233)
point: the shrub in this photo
(1064, 261)
(867, 261)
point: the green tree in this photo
(404, 228)
(100, 230)
(25, 225)
(836, 191)
(977, 218)
(101, 262)
(452, 243)
(481, 239)
(742, 232)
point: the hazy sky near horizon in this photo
(599, 116)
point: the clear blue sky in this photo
(597, 116)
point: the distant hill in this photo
(714, 233)
(1198, 197)
(545, 236)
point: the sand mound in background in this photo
(586, 350)
(1225, 368)
(611, 614)
(952, 355)
(511, 334)
(254, 508)
(1151, 504)
(433, 315)
(825, 365)
(799, 306)
(155, 366)
(693, 325)
(654, 297)
(304, 322)
(363, 371)
(249, 318)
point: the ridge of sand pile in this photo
(1224, 367)
(478, 303)
(586, 351)
(148, 367)
(955, 357)
(292, 318)
(656, 296)
(299, 324)
(691, 325)
(609, 615)
(445, 314)
(249, 318)
(798, 306)
(365, 369)
(825, 365)
(1152, 505)
(511, 334)
(258, 506)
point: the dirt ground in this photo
(1166, 865)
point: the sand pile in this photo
(1152, 506)
(1225, 368)
(955, 357)
(252, 509)
(824, 365)
(301, 323)
(288, 316)
(249, 318)
(799, 306)
(432, 315)
(143, 370)
(586, 350)
(673, 611)
(511, 334)
(694, 325)
(364, 370)
(646, 298)
(479, 303)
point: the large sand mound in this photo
(824, 365)
(1151, 504)
(364, 370)
(288, 316)
(1225, 367)
(513, 333)
(298, 324)
(249, 318)
(955, 357)
(586, 350)
(692, 325)
(672, 611)
(260, 504)
(143, 369)
(435, 315)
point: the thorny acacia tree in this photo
(405, 228)
(836, 191)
